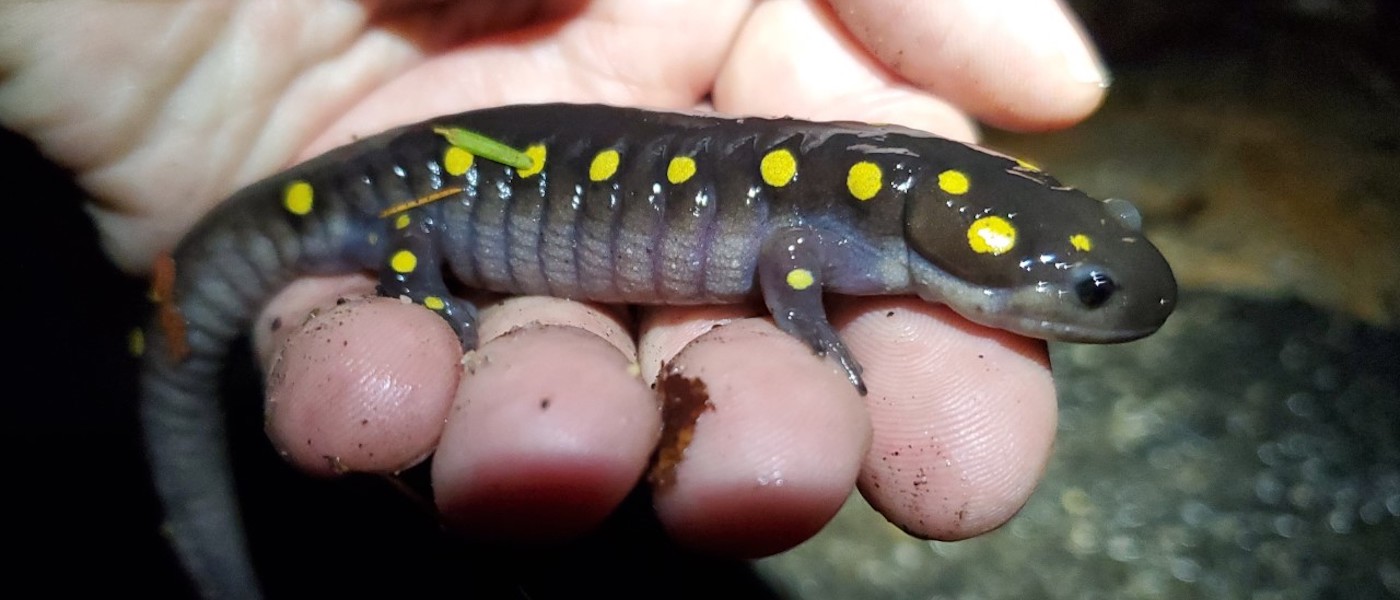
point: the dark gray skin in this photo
(724, 234)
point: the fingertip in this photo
(793, 59)
(736, 522)
(604, 321)
(1019, 64)
(963, 416)
(775, 451)
(362, 386)
(298, 303)
(550, 430)
(666, 330)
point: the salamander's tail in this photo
(208, 295)
(185, 441)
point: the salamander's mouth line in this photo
(1006, 309)
(1057, 332)
(1079, 335)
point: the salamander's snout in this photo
(1114, 304)
(1121, 291)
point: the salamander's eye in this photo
(1095, 288)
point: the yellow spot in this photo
(402, 221)
(681, 169)
(991, 235)
(604, 165)
(536, 152)
(434, 303)
(778, 167)
(1081, 242)
(297, 198)
(800, 279)
(457, 161)
(953, 181)
(403, 261)
(863, 180)
(136, 342)
(1025, 165)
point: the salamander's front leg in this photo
(413, 269)
(791, 265)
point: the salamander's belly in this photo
(614, 225)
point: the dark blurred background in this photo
(1251, 449)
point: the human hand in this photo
(959, 420)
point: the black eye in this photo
(1095, 289)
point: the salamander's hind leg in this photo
(413, 269)
(790, 268)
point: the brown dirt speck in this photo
(683, 400)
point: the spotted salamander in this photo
(629, 206)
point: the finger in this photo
(775, 437)
(963, 416)
(666, 330)
(997, 432)
(793, 58)
(361, 384)
(552, 426)
(551, 465)
(1019, 64)
(613, 51)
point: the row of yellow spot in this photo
(605, 163)
(988, 235)
(405, 262)
(778, 168)
(996, 236)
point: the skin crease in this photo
(276, 83)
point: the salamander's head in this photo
(1008, 246)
